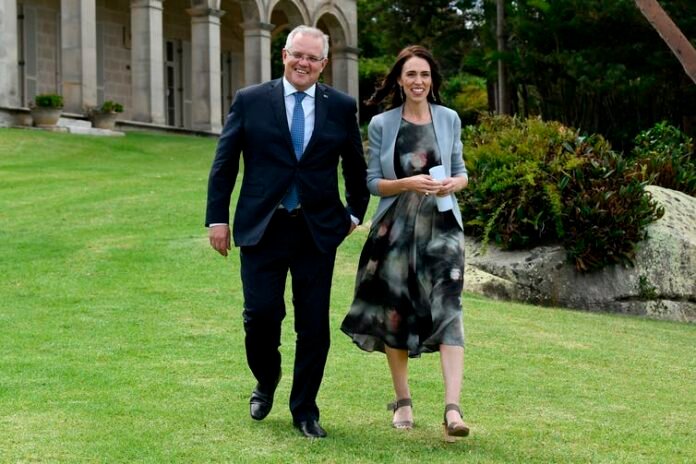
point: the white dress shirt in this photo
(307, 106)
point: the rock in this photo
(661, 285)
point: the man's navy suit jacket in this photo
(257, 128)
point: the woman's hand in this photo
(452, 185)
(423, 183)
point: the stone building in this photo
(173, 63)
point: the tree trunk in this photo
(503, 94)
(670, 33)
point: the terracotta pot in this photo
(104, 120)
(45, 117)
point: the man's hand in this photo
(219, 237)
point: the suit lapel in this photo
(277, 98)
(321, 109)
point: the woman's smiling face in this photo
(416, 79)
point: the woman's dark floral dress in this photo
(411, 271)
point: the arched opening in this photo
(285, 16)
(335, 71)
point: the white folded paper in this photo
(443, 203)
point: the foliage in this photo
(110, 106)
(371, 71)
(606, 209)
(510, 163)
(466, 94)
(646, 290)
(374, 69)
(386, 27)
(597, 66)
(535, 183)
(665, 157)
(48, 100)
(277, 44)
(440, 25)
(123, 340)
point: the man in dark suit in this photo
(291, 133)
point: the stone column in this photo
(9, 66)
(237, 71)
(205, 64)
(344, 71)
(78, 34)
(257, 52)
(147, 65)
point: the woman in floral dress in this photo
(411, 271)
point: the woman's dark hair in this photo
(390, 87)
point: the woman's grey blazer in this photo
(382, 133)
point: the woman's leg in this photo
(398, 366)
(452, 360)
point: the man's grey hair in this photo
(307, 30)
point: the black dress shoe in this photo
(261, 403)
(310, 428)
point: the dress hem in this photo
(379, 347)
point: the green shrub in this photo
(110, 106)
(467, 95)
(534, 183)
(665, 156)
(48, 100)
(606, 210)
(515, 167)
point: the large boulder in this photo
(661, 285)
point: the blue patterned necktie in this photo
(291, 199)
(297, 127)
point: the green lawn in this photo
(121, 340)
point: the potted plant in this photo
(46, 109)
(104, 116)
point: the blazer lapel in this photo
(390, 128)
(442, 134)
(277, 98)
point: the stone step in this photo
(69, 122)
(93, 131)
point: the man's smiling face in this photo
(302, 69)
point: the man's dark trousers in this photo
(287, 245)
